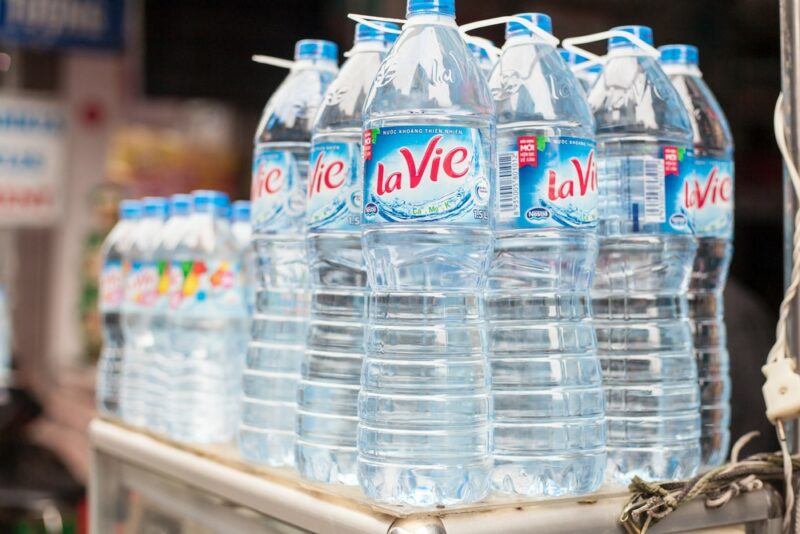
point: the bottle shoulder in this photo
(531, 83)
(633, 96)
(710, 129)
(344, 99)
(289, 114)
(429, 70)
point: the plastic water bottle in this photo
(280, 168)
(170, 283)
(708, 196)
(644, 142)
(428, 149)
(141, 294)
(206, 325)
(243, 232)
(548, 424)
(112, 296)
(586, 75)
(5, 347)
(327, 414)
(482, 57)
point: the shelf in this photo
(191, 482)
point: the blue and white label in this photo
(547, 182)
(708, 196)
(334, 191)
(426, 173)
(276, 191)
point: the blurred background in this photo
(105, 99)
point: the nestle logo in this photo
(678, 221)
(371, 209)
(536, 214)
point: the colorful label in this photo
(708, 196)
(547, 182)
(141, 284)
(217, 283)
(334, 192)
(112, 286)
(427, 174)
(276, 191)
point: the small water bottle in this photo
(647, 247)
(586, 75)
(141, 294)
(428, 151)
(327, 395)
(112, 296)
(205, 327)
(708, 196)
(548, 423)
(280, 168)
(170, 281)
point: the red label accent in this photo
(671, 163)
(366, 145)
(527, 151)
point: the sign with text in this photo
(32, 160)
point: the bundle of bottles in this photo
(471, 277)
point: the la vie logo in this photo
(579, 184)
(433, 163)
(267, 180)
(329, 174)
(717, 189)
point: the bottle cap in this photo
(241, 210)
(130, 209)
(679, 54)
(206, 201)
(642, 32)
(540, 20)
(431, 7)
(155, 206)
(180, 204)
(316, 49)
(368, 33)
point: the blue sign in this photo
(96, 24)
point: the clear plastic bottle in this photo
(243, 232)
(327, 415)
(141, 294)
(548, 422)
(170, 283)
(6, 343)
(280, 168)
(646, 253)
(586, 75)
(708, 196)
(428, 149)
(205, 327)
(111, 301)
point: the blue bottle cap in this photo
(679, 54)
(241, 210)
(180, 204)
(431, 7)
(642, 32)
(316, 49)
(130, 209)
(540, 20)
(368, 33)
(205, 201)
(572, 59)
(155, 207)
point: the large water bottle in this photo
(587, 75)
(206, 325)
(141, 294)
(327, 397)
(644, 142)
(170, 284)
(280, 168)
(428, 149)
(708, 196)
(112, 296)
(548, 425)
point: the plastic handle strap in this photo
(549, 38)
(369, 20)
(593, 59)
(274, 61)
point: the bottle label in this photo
(112, 286)
(334, 193)
(276, 191)
(141, 284)
(708, 196)
(216, 283)
(547, 182)
(425, 173)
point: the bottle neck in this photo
(427, 19)
(682, 70)
(371, 45)
(314, 63)
(622, 51)
(517, 40)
